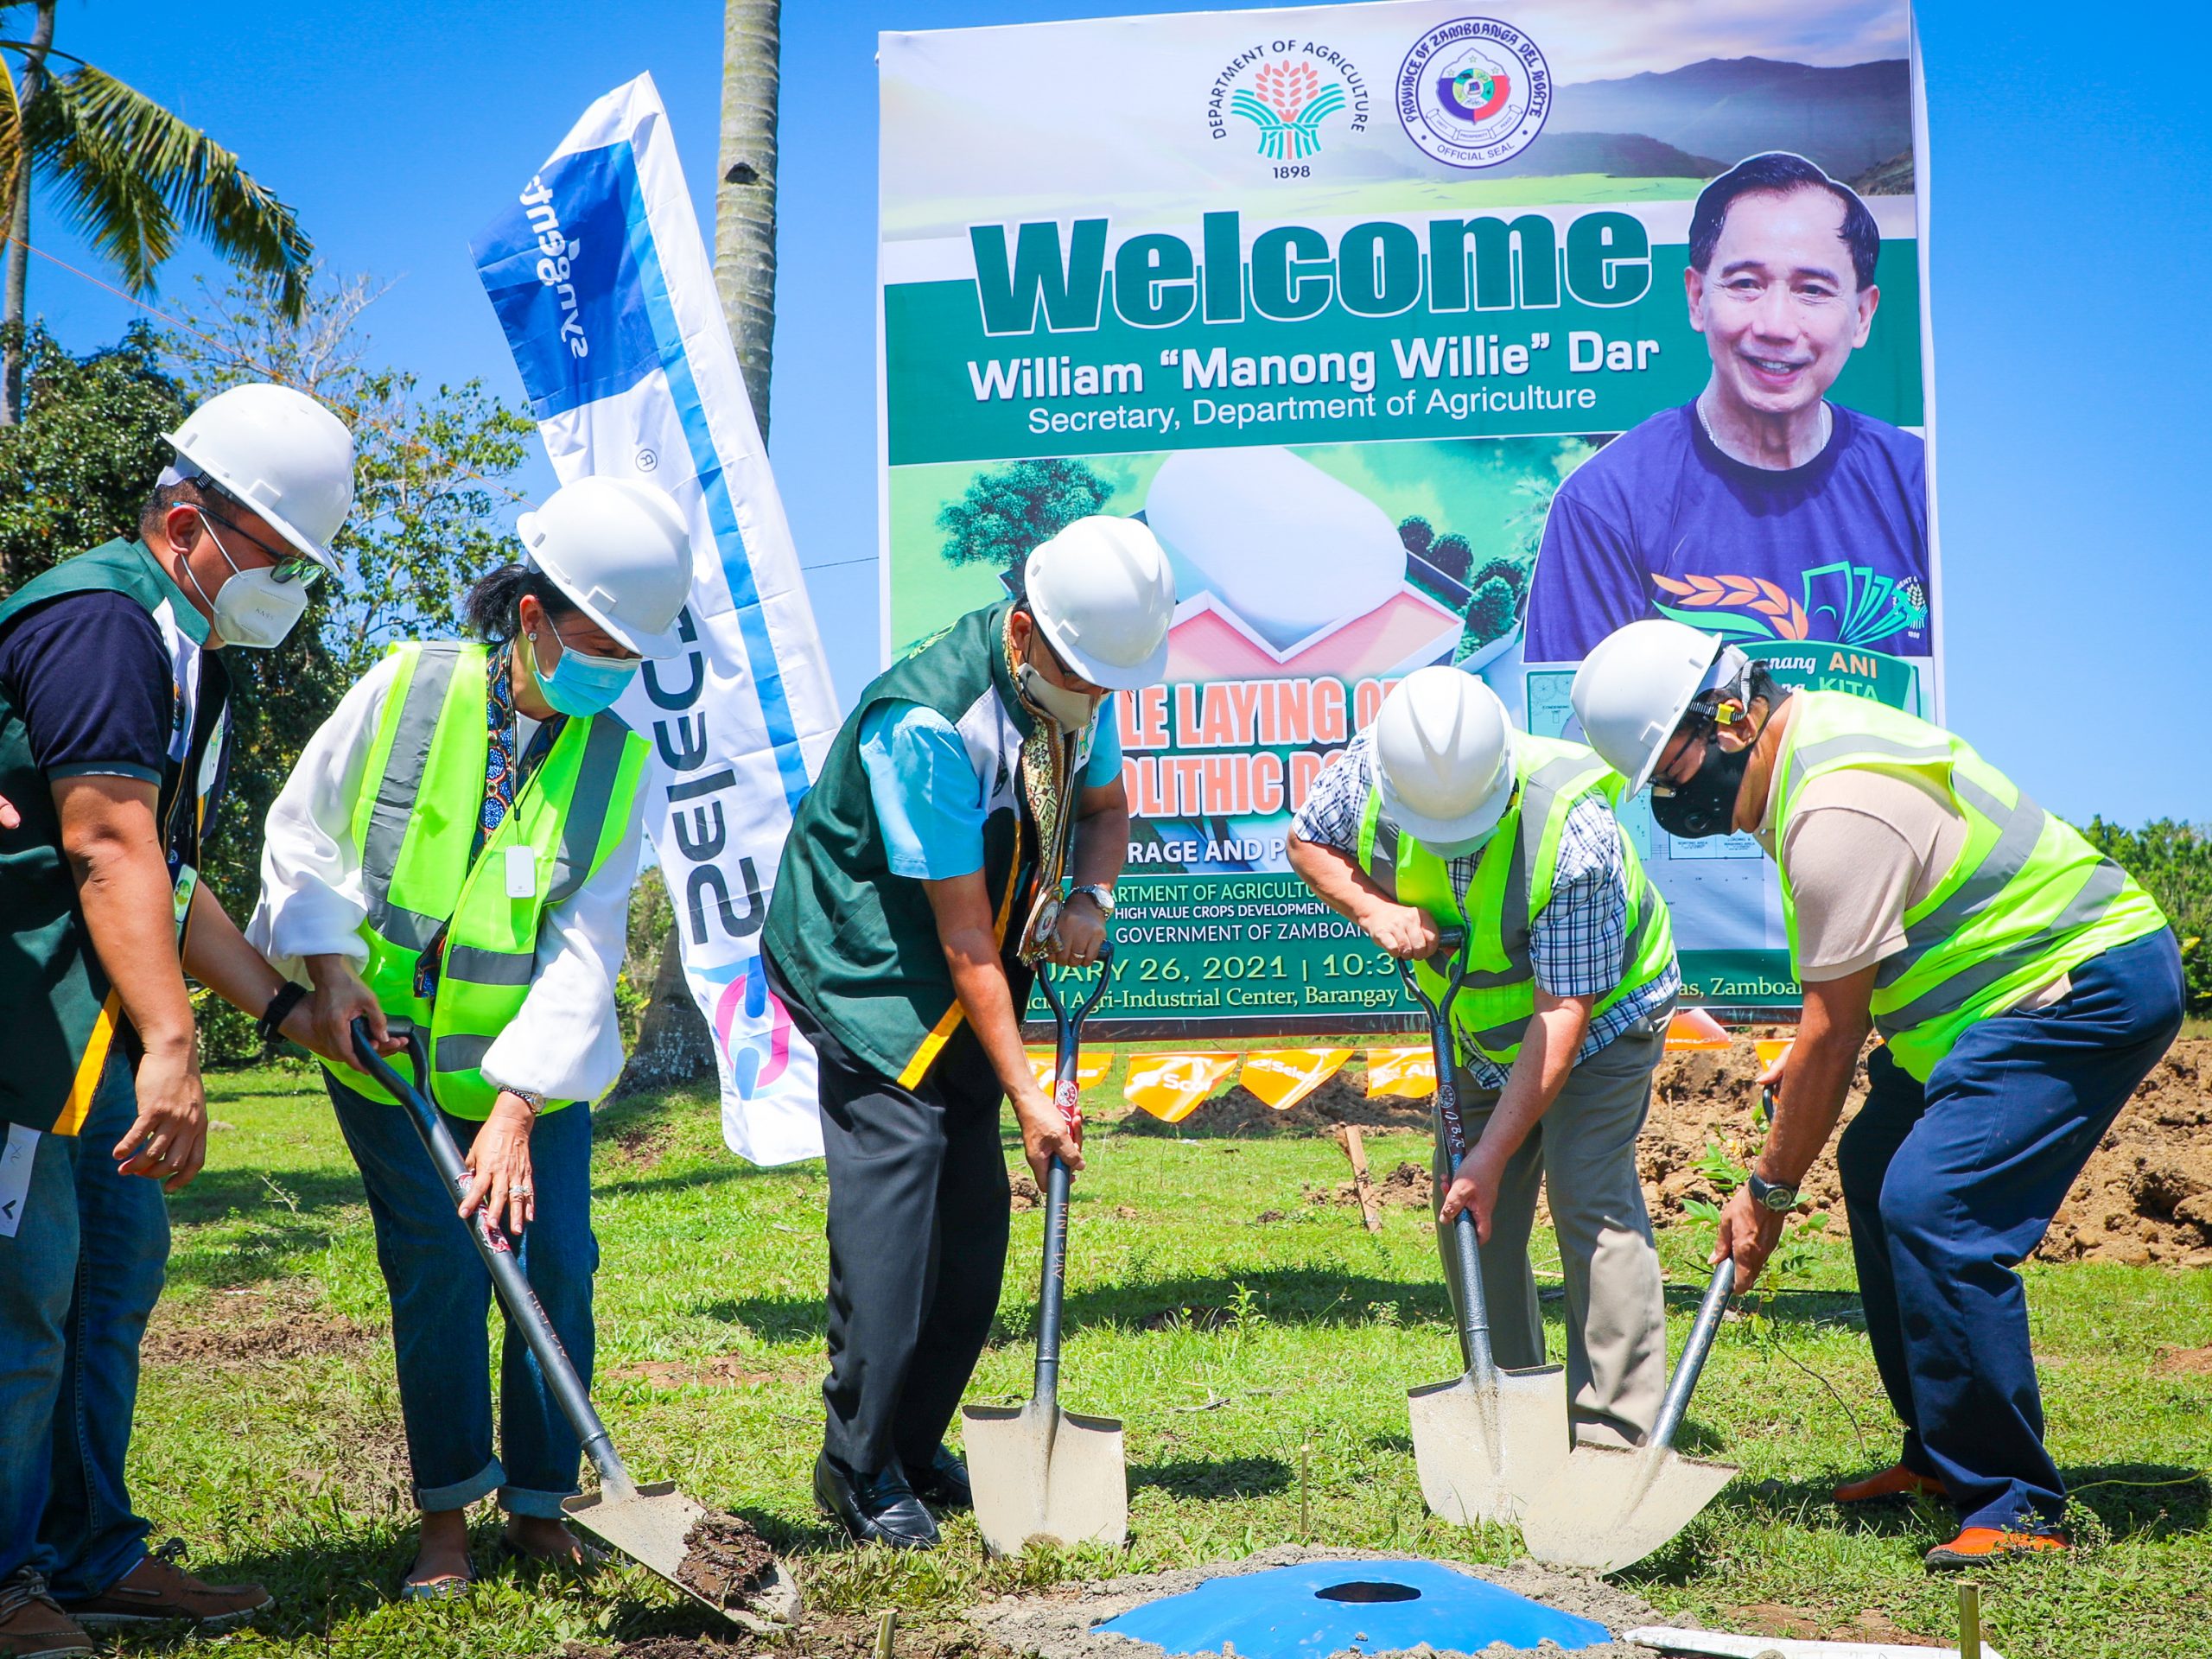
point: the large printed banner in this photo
(600, 280)
(1434, 331)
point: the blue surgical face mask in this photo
(580, 684)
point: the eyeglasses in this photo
(290, 567)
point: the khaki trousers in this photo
(1583, 1153)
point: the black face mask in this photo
(1707, 804)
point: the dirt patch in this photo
(833, 1635)
(643, 1144)
(1026, 1195)
(2186, 1362)
(1871, 1625)
(724, 1560)
(723, 1371)
(236, 1330)
(1239, 1112)
(1406, 1187)
(1059, 1625)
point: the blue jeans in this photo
(1951, 1185)
(77, 1283)
(441, 1293)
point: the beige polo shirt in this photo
(1864, 848)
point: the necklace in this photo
(1827, 430)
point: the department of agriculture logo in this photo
(1473, 93)
(1285, 91)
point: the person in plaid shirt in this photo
(1434, 817)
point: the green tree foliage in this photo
(2173, 859)
(1416, 533)
(75, 471)
(1511, 572)
(1009, 510)
(1452, 555)
(1490, 614)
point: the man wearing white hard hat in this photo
(114, 733)
(2023, 985)
(1440, 814)
(456, 848)
(968, 821)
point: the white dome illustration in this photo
(1281, 544)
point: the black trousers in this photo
(918, 1208)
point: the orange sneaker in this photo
(1896, 1481)
(1978, 1546)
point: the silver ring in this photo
(521, 1189)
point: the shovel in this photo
(1611, 1507)
(650, 1524)
(1039, 1472)
(1487, 1442)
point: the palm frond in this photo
(127, 173)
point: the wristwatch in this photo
(1769, 1196)
(1100, 895)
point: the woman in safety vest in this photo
(2023, 984)
(455, 849)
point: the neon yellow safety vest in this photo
(1512, 884)
(2026, 901)
(415, 815)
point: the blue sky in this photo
(2068, 190)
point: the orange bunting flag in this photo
(1409, 1073)
(1695, 1028)
(1088, 1068)
(1171, 1086)
(1283, 1076)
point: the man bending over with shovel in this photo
(922, 877)
(1442, 815)
(2023, 985)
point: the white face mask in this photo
(1071, 711)
(252, 608)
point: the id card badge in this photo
(522, 873)
(15, 1176)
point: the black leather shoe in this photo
(877, 1509)
(942, 1482)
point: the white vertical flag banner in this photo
(600, 279)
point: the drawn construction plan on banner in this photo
(1386, 319)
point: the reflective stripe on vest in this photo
(1507, 893)
(2026, 900)
(415, 819)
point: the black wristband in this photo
(280, 1009)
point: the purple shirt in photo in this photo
(1661, 523)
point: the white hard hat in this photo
(284, 456)
(1103, 597)
(1444, 753)
(1634, 688)
(620, 549)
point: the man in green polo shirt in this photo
(2022, 984)
(114, 730)
(977, 781)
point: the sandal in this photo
(447, 1587)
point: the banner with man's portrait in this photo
(1419, 332)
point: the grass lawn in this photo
(268, 1437)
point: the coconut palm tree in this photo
(127, 175)
(673, 1045)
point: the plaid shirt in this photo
(1576, 942)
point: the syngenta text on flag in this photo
(600, 277)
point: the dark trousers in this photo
(918, 1207)
(1951, 1185)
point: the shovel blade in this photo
(1045, 1474)
(1485, 1456)
(1606, 1509)
(651, 1528)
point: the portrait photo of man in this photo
(1760, 508)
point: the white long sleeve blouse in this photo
(565, 1043)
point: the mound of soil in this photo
(724, 1560)
(1406, 1187)
(723, 1371)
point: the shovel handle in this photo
(1068, 1016)
(1474, 1306)
(492, 1244)
(1695, 1350)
